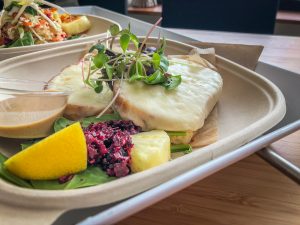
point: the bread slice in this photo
(182, 109)
(83, 101)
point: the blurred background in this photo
(280, 17)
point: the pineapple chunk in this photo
(150, 149)
(75, 25)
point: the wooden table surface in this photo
(250, 192)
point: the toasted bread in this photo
(182, 109)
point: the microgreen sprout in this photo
(135, 62)
(145, 64)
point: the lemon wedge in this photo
(60, 154)
(150, 149)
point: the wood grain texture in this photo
(250, 192)
(289, 148)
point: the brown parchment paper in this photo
(245, 55)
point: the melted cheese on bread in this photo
(83, 101)
(182, 109)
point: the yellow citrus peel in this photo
(60, 154)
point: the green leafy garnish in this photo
(144, 65)
(26, 40)
(100, 59)
(106, 117)
(62, 123)
(30, 11)
(124, 41)
(99, 47)
(114, 30)
(6, 175)
(185, 148)
(172, 82)
(27, 144)
(76, 36)
(176, 133)
(90, 177)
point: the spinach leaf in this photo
(185, 148)
(27, 144)
(90, 177)
(48, 184)
(3, 158)
(89, 120)
(6, 175)
(62, 123)
(26, 40)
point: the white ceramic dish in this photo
(98, 30)
(249, 106)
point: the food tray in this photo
(138, 203)
(256, 103)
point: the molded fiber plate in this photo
(249, 106)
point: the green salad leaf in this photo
(26, 40)
(90, 177)
(185, 148)
(27, 144)
(30, 11)
(62, 123)
(47, 184)
(6, 175)
(106, 117)
(76, 36)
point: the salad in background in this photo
(30, 22)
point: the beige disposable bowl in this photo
(249, 106)
(98, 30)
(30, 115)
